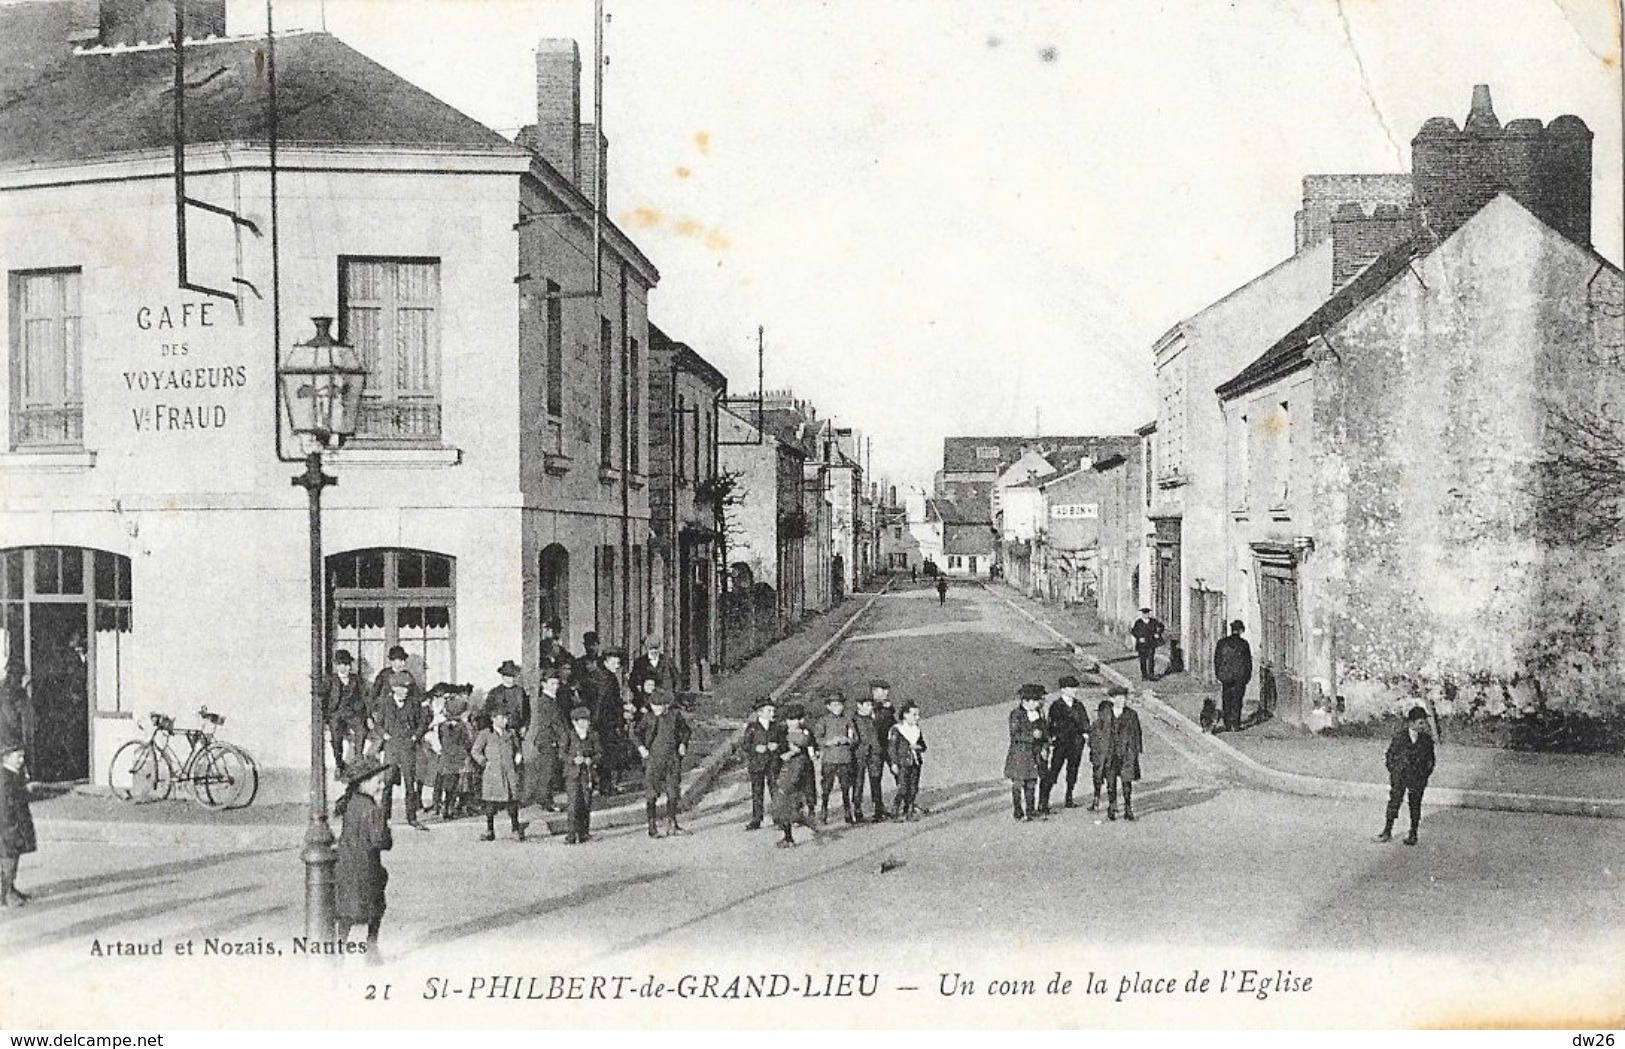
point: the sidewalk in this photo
(92, 814)
(1290, 759)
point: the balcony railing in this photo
(398, 421)
(48, 427)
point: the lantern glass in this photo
(322, 382)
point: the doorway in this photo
(60, 685)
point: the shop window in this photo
(47, 408)
(383, 598)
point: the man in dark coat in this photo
(552, 649)
(346, 711)
(1147, 632)
(1233, 666)
(652, 664)
(1410, 763)
(588, 659)
(600, 691)
(1069, 733)
(402, 721)
(942, 590)
(763, 744)
(549, 727)
(381, 685)
(16, 822)
(662, 738)
(359, 875)
(510, 697)
(1124, 745)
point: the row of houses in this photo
(1395, 456)
(530, 447)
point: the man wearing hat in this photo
(401, 723)
(1410, 761)
(510, 697)
(581, 754)
(1069, 733)
(346, 711)
(1233, 666)
(552, 650)
(763, 745)
(652, 664)
(662, 739)
(1147, 632)
(600, 691)
(385, 681)
(589, 655)
(549, 727)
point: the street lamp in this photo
(321, 383)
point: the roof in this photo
(1288, 353)
(967, 539)
(105, 102)
(686, 359)
(959, 453)
(944, 510)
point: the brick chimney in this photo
(558, 106)
(1546, 169)
(1358, 238)
(153, 21)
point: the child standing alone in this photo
(496, 752)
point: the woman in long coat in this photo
(1023, 762)
(359, 875)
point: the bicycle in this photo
(221, 775)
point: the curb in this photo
(1320, 786)
(703, 776)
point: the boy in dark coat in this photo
(549, 729)
(401, 723)
(580, 754)
(346, 711)
(456, 738)
(1100, 748)
(868, 758)
(794, 796)
(1024, 761)
(510, 696)
(1233, 666)
(1124, 744)
(497, 753)
(906, 748)
(763, 745)
(1069, 732)
(662, 738)
(359, 876)
(1410, 762)
(386, 679)
(16, 823)
(833, 732)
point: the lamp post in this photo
(321, 383)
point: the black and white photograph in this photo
(812, 514)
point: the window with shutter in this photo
(47, 410)
(390, 312)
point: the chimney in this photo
(153, 21)
(1546, 169)
(1358, 238)
(558, 106)
(593, 161)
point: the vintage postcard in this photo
(812, 514)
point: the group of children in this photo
(1044, 743)
(801, 764)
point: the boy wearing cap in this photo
(1410, 762)
(763, 745)
(359, 876)
(16, 823)
(1069, 732)
(834, 733)
(498, 756)
(580, 753)
(662, 739)
(1024, 760)
(346, 711)
(906, 748)
(868, 758)
(401, 723)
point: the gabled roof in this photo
(85, 106)
(1287, 355)
(959, 453)
(686, 359)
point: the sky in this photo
(962, 217)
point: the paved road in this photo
(1499, 908)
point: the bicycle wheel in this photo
(141, 771)
(225, 777)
